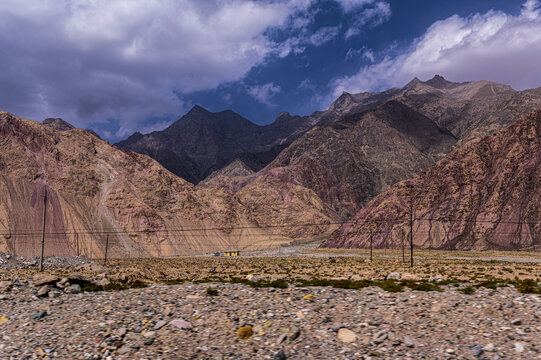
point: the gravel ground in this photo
(239, 322)
(18, 262)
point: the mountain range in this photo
(299, 177)
(350, 160)
(484, 195)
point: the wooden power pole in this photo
(370, 245)
(411, 231)
(43, 230)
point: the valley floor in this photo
(206, 308)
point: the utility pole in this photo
(411, 227)
(403, 248)
(370, 245)
(106, 249)
(139, 241)
(77, 243)
(43, 230)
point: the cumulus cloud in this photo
(90, 61)
(494, 46)
(264, 93)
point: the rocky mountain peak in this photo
(343, 102)
(58, 124)
(439, 82)
(412, 83)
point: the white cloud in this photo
(324, 35)
(87, 61)
(264, 93)
(350, 5)
(493, 46)
(376, 14)
(362, 52)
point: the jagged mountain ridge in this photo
(202, 142)
(484, 195)
(351, 160)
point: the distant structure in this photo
(231, 253)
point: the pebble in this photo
(159, 324)
(519, 347)
(291, 333)
(39, 315)
(379, 337)
(280, 355)
(476, 351)
(245, 332)
(408, 341)
(516, 321)
(181, 324)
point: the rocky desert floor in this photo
(295, 304)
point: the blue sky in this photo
(133, 65)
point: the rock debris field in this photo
(66, 314)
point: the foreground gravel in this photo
(186, 322)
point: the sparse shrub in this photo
(527, 286)
(488, 284)
(422, 286)
(467, 290)
(212, 291)
(390, 285)
(90, 288)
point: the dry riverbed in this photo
(208, 309)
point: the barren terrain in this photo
(297, 303)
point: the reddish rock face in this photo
(94, 188)
(484, 195)
(366, 142)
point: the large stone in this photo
(252, 278)
(43, 291)
(75, 289)
(104, 282)
(346, 335)
(394, 276)
(5, 286)
(45, 279)
(79, 279)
